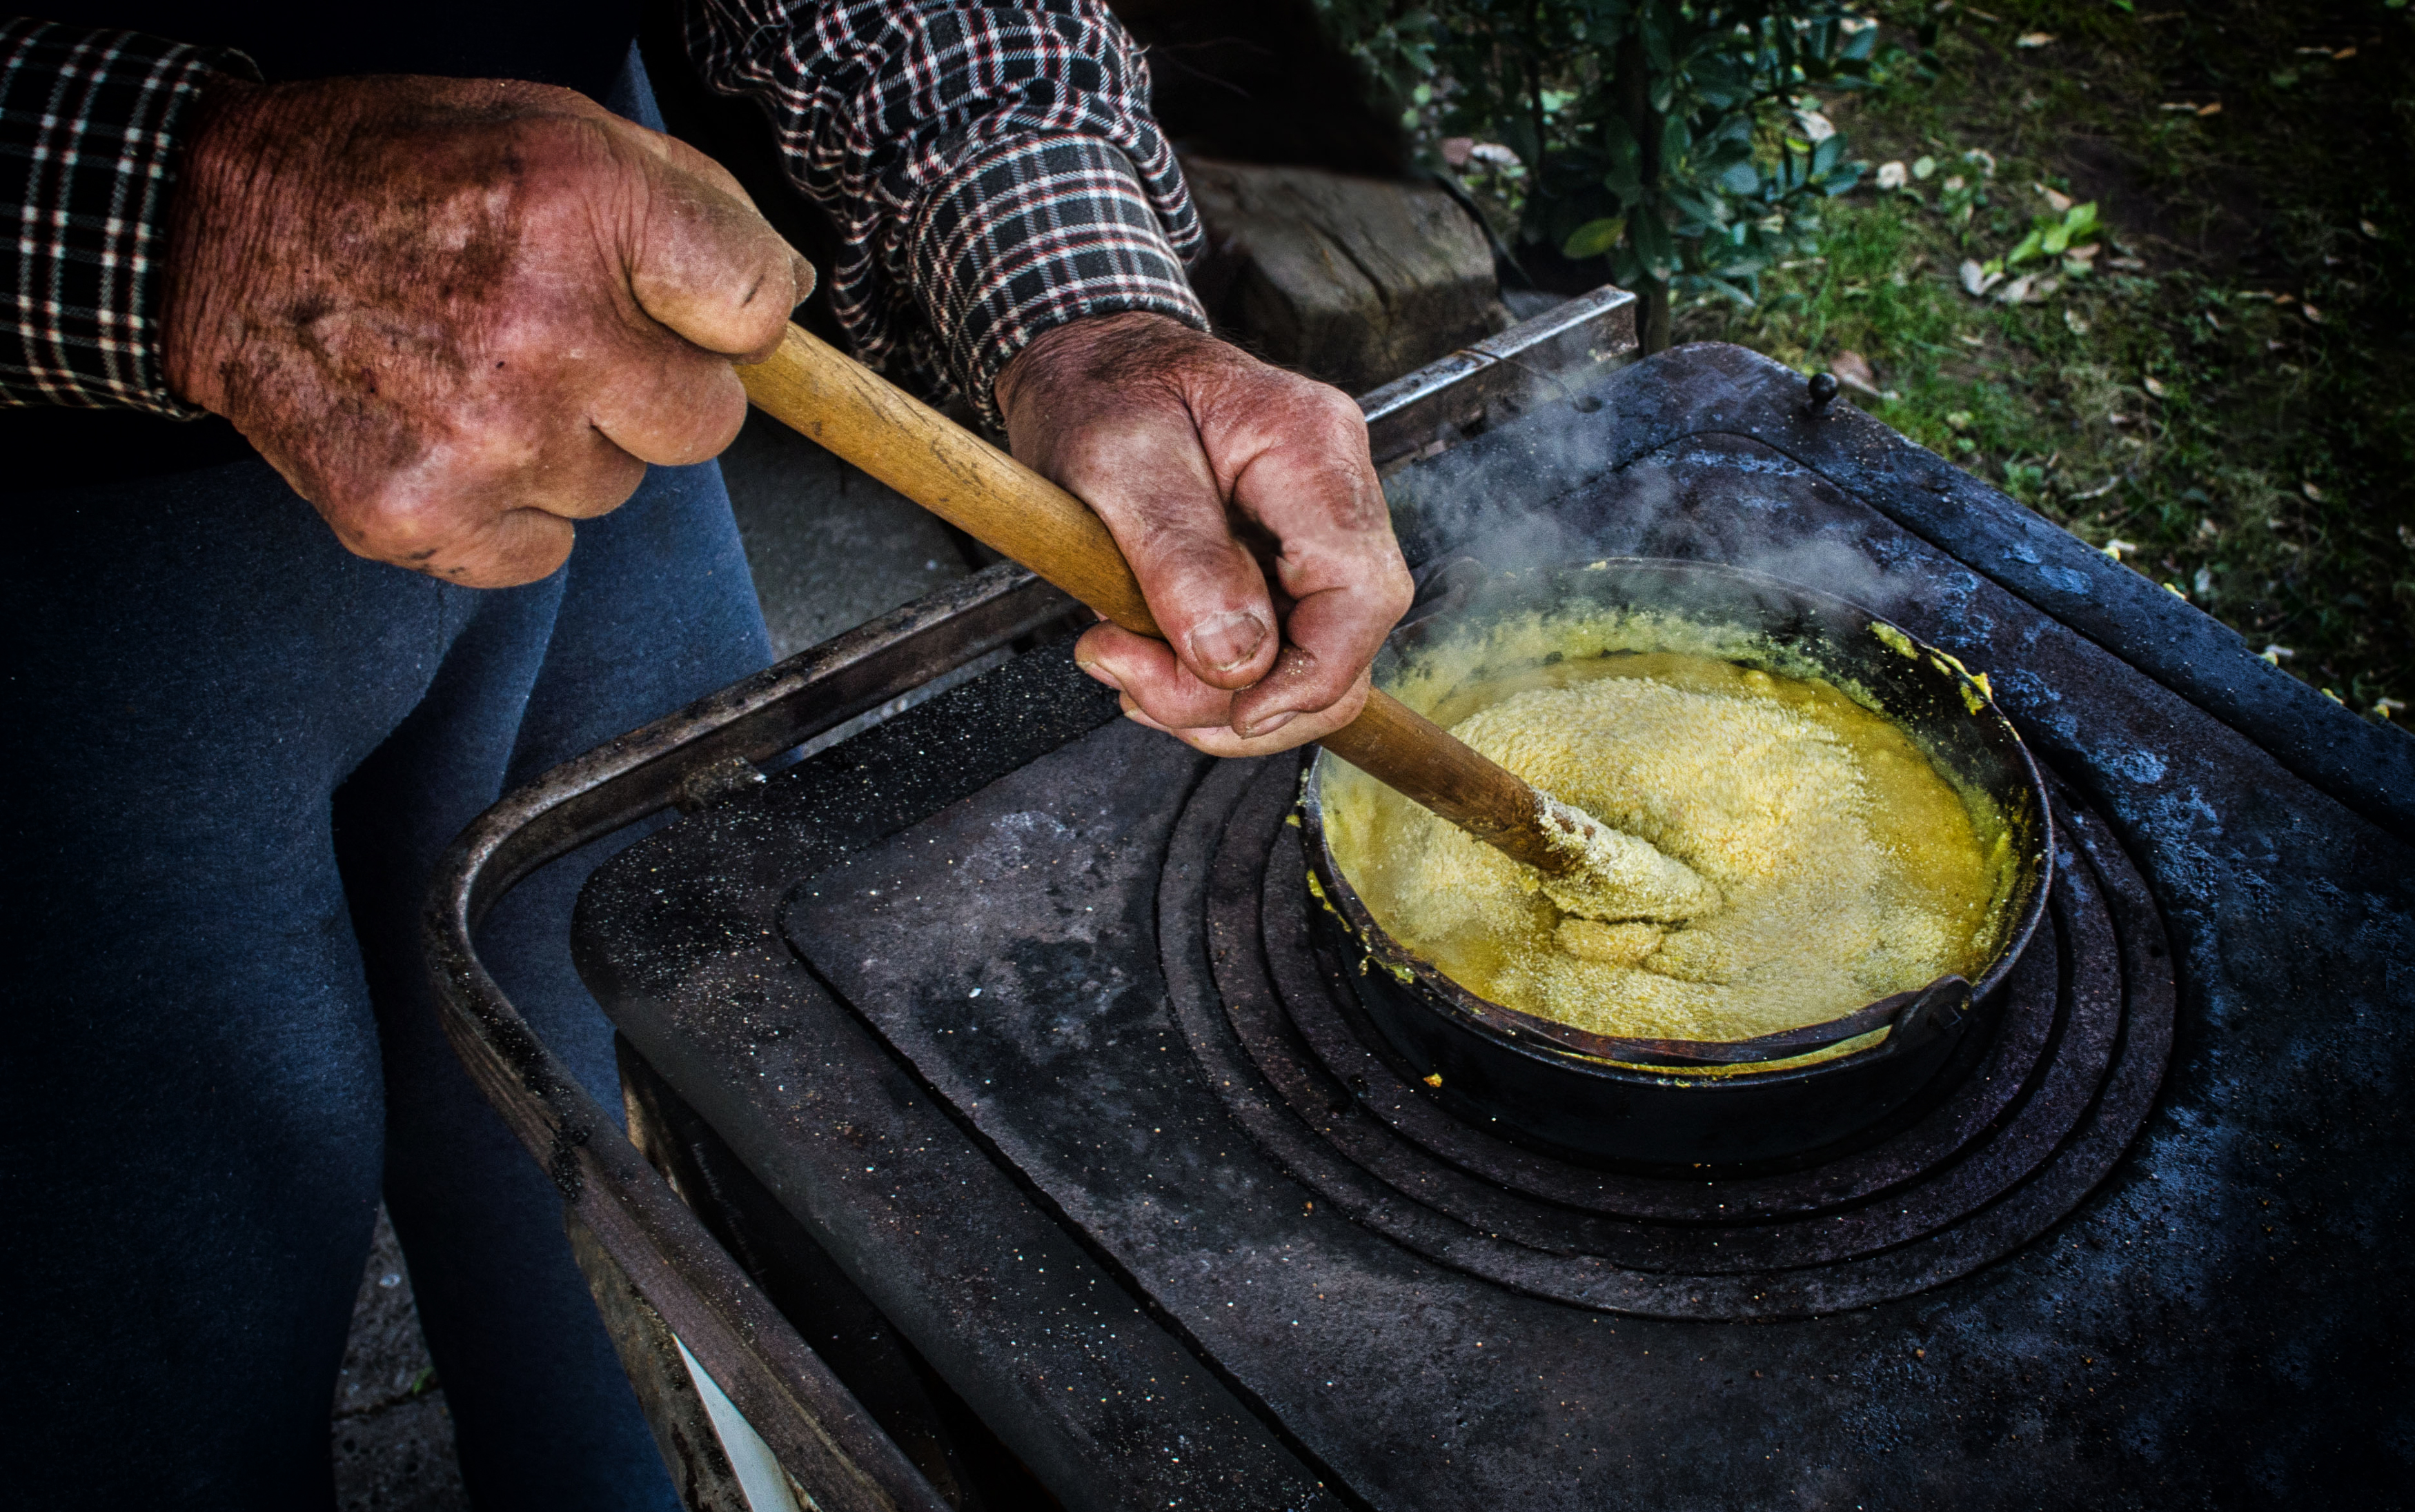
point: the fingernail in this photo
(1099, 672)
(1271, 723)
(1229, 640)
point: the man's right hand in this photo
(458, 316)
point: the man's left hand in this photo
(1215, 471)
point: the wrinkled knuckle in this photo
(402, 525)
(1186, 554)
(1335, 410)
(544, 146)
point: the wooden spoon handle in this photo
(849, 409)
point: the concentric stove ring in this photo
(2029, 1121)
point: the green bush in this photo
(1658, 138)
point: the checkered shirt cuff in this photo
(88, 143)
(1030, 235)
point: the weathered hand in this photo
(1210, 468)
(458, 316)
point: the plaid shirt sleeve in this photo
(992, 169)
(88, 137)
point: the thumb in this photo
(704, 263)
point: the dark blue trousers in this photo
(237, 751)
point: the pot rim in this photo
(1940, 1003)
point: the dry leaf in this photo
(1892, 175)
(2034, 40)
(2059, 203)
(2073, 321)
(1977, 281)
(2311, 491)
(2369, 228)
(2046, 286)
(2016, 292)
(2312, 314)
(1815, 126)
(2118, 549)
(1853, 370)
(1456, 150)
(2157, 388)
(2215, 108)
(1954, 185)
(2188, 105)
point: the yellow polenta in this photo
(1845, 867)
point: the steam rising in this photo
(1537, 494)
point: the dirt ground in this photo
(391, 1435)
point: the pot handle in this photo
(1933, 1010)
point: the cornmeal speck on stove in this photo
(1846, 867)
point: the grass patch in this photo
(2223, 394)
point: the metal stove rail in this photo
(819, 1431)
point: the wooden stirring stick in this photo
(845, 407)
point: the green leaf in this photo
(1593, 238)
(1676, 140)
(1701, 208)
(2027, 250)
(1731, 290)
(1741, 178)
(1654, 24)
(1624, 177)
(1653, 244)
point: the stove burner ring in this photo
(2046, 1106)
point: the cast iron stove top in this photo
(1013, 1007)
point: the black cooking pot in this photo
(1613, 1101)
